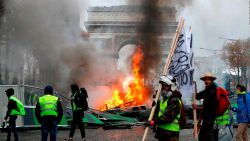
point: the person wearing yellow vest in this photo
(78, 106)
(222, 124)
(49, 113)
(168, 111)
(15, 108)
(224, 119)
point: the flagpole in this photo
(165, 72)
(194, 112)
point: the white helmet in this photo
(170, 80)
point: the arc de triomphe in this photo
(112, 28)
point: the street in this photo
(134, 134)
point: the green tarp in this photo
(30, 118)
(116, 117)
(117, 121)
(89, 119)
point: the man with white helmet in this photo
(168, 111)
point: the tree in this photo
(236, 55)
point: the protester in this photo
(242, 113)
(168, 111)
(49, 113)
(208, 114)
(78, 106)
(15, 108)
(223, 128)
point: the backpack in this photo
(84, 96)
(183, 120)
(222, 100)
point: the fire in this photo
(132, 91)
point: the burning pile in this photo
(131, 91)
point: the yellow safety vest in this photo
(224, 119)
(20, 108)
(174, 126)
(48, 104)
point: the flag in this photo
(182, 65)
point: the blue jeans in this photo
(49, 127)
(12, 127)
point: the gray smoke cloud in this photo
(211, 20)
(49, 33)
(45, 37)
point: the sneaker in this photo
(68, 139)
(83, 139)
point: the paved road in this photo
(134, 134)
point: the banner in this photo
(182, 65)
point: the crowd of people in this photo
(212, 121)
(48, 112)
(167, 118)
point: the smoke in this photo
(47, 32)
(44, 36)
(149, 30)
(152, 27)
(208, 25)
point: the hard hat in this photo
(208, 75)
(169, 80)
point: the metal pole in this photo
(238, 63)
(195, 112)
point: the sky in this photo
(210, 20)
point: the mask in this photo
(166, 94)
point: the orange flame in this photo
(134, 91)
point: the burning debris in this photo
(133, 91)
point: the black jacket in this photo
(49, 118)
(209, 103)
(11, 105)
(80, 99)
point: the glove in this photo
(194, 106)
(150, 123)
(234, 109)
